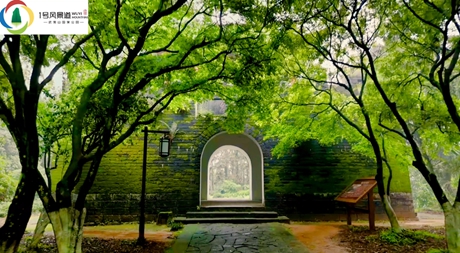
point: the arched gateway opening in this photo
(231, 171)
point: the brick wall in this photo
(301, 184)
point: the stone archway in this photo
(250, 171)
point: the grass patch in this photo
(405, 237)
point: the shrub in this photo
(230, 189)
(175, 226)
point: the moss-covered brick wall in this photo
(301, 184)
(304, 183)
(172, 183)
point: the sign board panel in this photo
(44, 17)
(356, 191)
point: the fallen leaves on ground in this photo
(361, 239)
(98, 245)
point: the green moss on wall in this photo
(400, 181)
(315, 169)
(173, 182)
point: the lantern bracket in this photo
(156, 131)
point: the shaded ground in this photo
(99, 245)
(108, 239)
(130, 232)
(330, 237)
(160, 236)
(364, 241)
(336, 237)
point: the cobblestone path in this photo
(237, 238)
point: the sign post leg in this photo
(371, 208)
(349, 209)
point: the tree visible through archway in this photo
(229, 174)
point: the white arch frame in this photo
(232, 147)
(261, 162)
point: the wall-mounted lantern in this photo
(165, 146)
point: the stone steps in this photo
(239, 220)
(223, 214)
(233, 209)
(232, 217)
(239, 206)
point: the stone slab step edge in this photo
(232, 209)
(185, 220)
(215, 214)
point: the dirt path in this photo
(322, 237)
(318, 238)
(158, 236)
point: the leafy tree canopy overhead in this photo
(122, 75)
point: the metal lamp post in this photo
(165, 147)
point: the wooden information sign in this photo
(354, 193)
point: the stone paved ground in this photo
(237, 238)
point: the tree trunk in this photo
(68, 229)
(452, 225)
(42, 223)
(381, 185)
(19, 214)
(386, 202)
